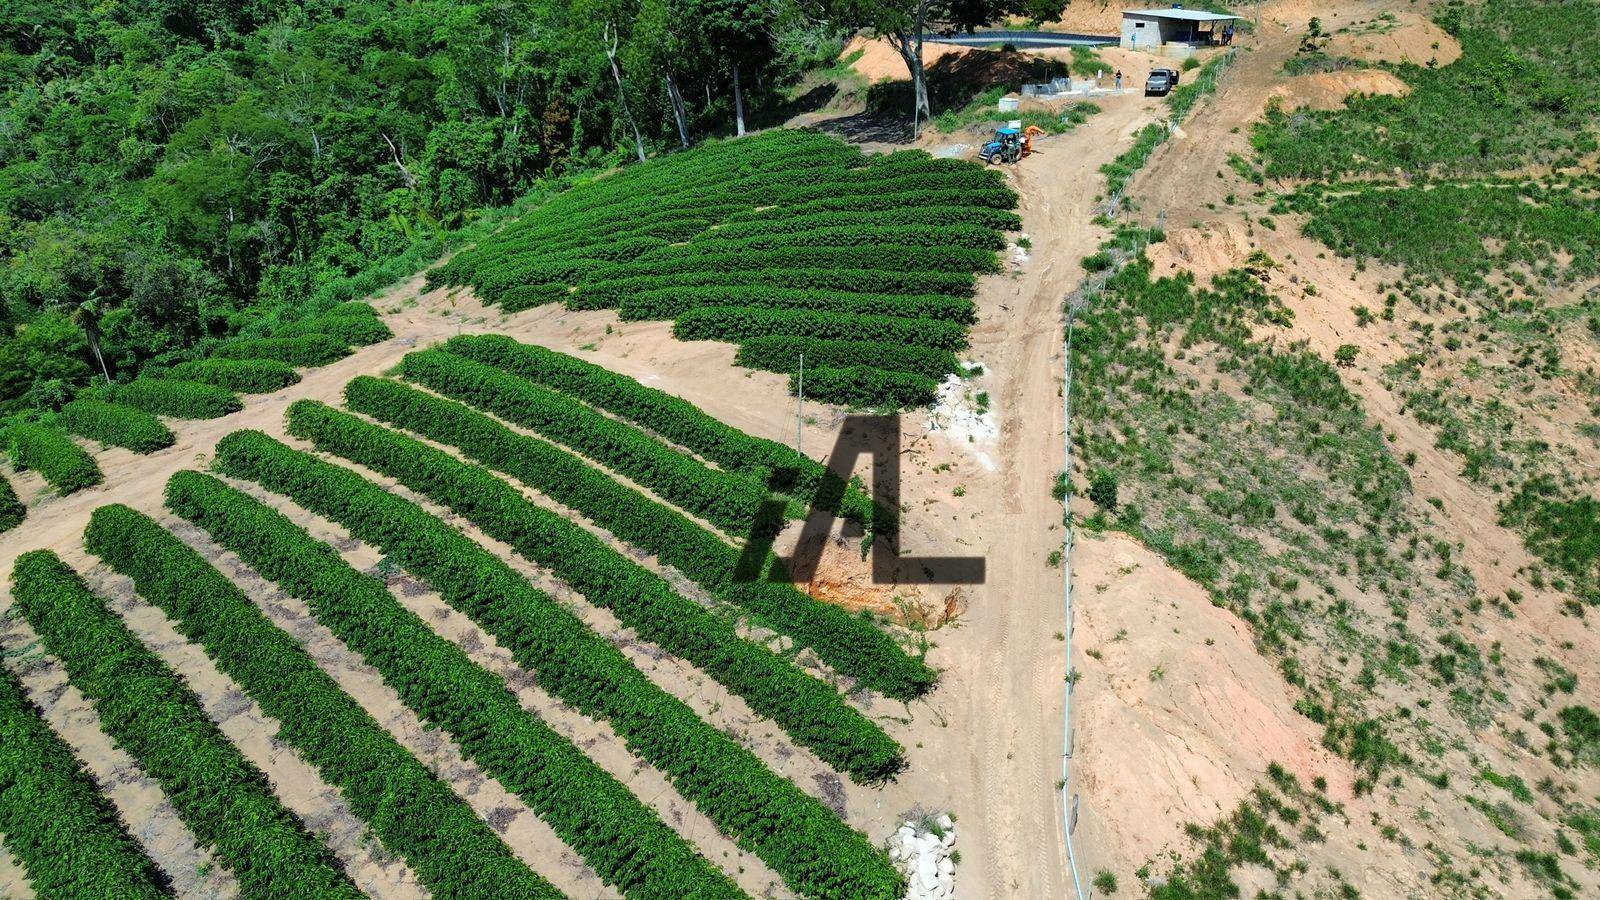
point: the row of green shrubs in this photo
(889, 257)
(622, 839)
(305, 350)
(66, 466)
(408, 807)
(673, 302)
(805, 843)
(12, 512)
(353, 323)
(248, 376)
(785, 219)
(609, 292)
(148, 710)
(864, 386)
(850, 644)
(673, 418)
(975, 237)
(115, 424)
(813, 713)
(781, 353)
(740, 323)
(177, 399)
(999, 199)
(494, 285)
(728, 500)
(64, 832)
(786, 211)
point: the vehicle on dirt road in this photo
(1005, 148)
(1161, 81)
(1010, 144)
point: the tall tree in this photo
(610, 40)
(742, 32)
(903, 23)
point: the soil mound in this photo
(1406, 38)
(1329, 90)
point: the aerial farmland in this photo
(691, 449)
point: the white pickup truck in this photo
(1161, 81)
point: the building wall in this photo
(1140, 33)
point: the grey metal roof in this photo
(1186, 15)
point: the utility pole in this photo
(799, 405)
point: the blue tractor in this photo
(1005, 148)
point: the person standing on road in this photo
(1119, 81)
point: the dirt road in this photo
(1005, 666)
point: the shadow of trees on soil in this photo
(953, 82)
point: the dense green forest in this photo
(176, 171)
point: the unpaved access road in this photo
(986, 744)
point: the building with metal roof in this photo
(1175, 30)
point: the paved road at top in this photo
(1023, 39)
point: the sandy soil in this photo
(1179, 680)
(1329, 90)
(881, 62)
(1407, 37)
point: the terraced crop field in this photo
(785, 243)
(482, 454)
(128, 415)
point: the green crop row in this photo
(737, 323)
(249, 376)
(495, 281)
(886, 257)
(146, 708)
(797, 184)
(12, 512)
(65, 465)
(66, 834)
(781, 353)
(671, 417)
(781, 219)
(115, 424)
(603, 293)
(345, 323)
(527, 296)
(814, 852)
(813, 713)
(305, 350)
(975, 237)
(865, 386)
(622, 839)
(714, 164)
(848, 643)
(452, 851)
(671, 302)
(784, 210)
(867, 180)
(727, 500)
(999, 200)
(178, 399)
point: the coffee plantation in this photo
(788, 234)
